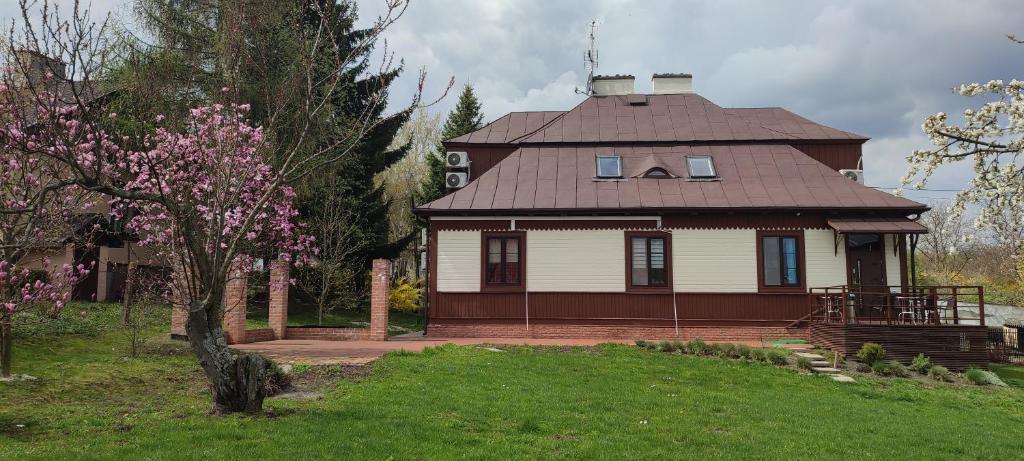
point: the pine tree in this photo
(464, 118)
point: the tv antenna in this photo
(590, 60)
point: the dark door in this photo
(86, 289)
(865, 259)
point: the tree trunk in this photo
(6, 344)
(238, 382)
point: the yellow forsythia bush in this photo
(405, 296)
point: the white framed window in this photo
(701, 167)
(609, 166)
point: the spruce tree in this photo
(464, 118)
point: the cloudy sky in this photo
(877, 68)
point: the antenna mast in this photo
(590, 60)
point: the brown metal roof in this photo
(664, 118)
(753, 176)
(893, 225)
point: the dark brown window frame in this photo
(630, 288)
(502, 287)
(801, 261)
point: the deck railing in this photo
(895, 305)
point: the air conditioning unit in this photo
(457, 160)
(853, 175)
(456, 180)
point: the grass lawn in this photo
(611, 402)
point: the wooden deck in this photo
(956, 347)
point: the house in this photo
(656, 216)
(96, 239)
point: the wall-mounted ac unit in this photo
(456, 180)
(457, 160)
(853, 175)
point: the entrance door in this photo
(865, 259)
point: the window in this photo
(701, 167)
(657, 173)
(781, 260)
(503, 260)
(648, 261)
(609, 166)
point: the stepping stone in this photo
(820, 363)
(843, 379)
(809, 356)
(825, 370)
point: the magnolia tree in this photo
(202, 192)
(991, 140)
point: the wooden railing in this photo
(893, 305)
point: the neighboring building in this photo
(659, 215)
(97, 240)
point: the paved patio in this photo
(316, 352)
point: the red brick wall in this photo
(332, 334)
(441, 330)
(234, 307)
(379, 299)
(262, 334)
(278, 318)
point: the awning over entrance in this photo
(871, 226)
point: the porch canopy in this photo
(876, 226)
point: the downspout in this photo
(913, 263)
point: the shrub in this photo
(976, 376)
(697, 347)
(678, 347)
(889, 368)
(803, 363)
(641, 344)
(921, 364)
(727, 350)
(758, 355)
(871, 353)
(405, 296)
(665, 346)
(940, 373)
(861, 367)
(744, 351)
(777, 356)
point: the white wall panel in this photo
(824, 268)
(576, 260)
(714, 260)
(892, 262)
(458, 261)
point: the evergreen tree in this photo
(464, 118)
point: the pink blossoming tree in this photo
(203, 194)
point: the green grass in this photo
(611, 402)
(1011, 375)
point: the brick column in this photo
(379, 300)
(234, 307)
(279, 274)
(179, 311)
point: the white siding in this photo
(824, 268)
(576, 260)
(892, 262)
(714, 260)
(458, 261)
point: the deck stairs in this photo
(818, 363)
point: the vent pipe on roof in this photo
(672, 84)
(609, 85)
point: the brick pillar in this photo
(279, 275)
(379, 300)
(234, 307)
(179, 311)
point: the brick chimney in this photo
(610, 85)
(32, 67)
(672, 84)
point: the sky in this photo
(876, 68)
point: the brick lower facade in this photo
(710, 333)
(327, 333)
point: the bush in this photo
(871, 353)
(727, 350)
(697, 347)
(665, 346)
(976, 376)
(777, 356)
(889, 368)
(405, 296)
(861, 367)
(744, 351)
(921, 364)
(803, 363)
(940, 373)
(678, 347)
(758, 355)
(642, 344)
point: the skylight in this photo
(701, 167)
(609, 166)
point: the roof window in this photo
(609, 166)
(701, 167)
(657, 172)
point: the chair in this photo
(908, 307)
(833, 306)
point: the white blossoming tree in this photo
(990, 139)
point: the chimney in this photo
(32, 67)
(610, 85)
(672, 84)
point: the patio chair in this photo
(908, 307)
(833, 306)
